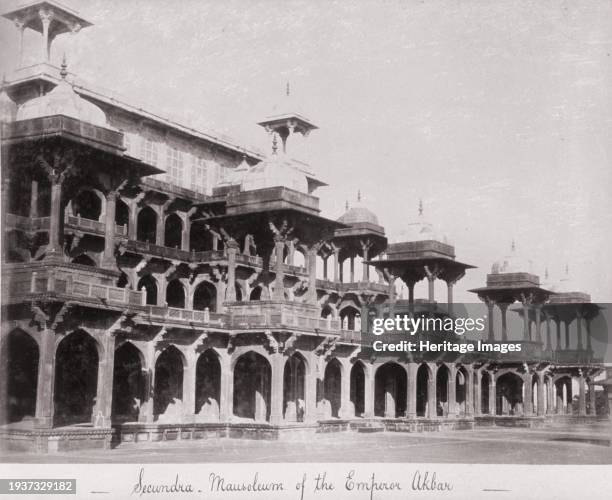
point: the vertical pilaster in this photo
(469, 392)
(368, 392)
(540, 395)
(431, 391)
(504, 324)
(46, 378)
(34, 200)
(581, 395)
(527, 395)
(579, 330)
(55, 222)
(103, 408)
(226, 393)
(345, 391)
(312, 274)
(452, 392)
(277, 361)
(189, 386)
(46, 17)
(279, 282)
(490, 308)
(411, 397)
(108, 258)
(492, 395)
(592, 399)
(232, 250)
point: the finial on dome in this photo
(288, 89)
(566, 269)
(513, 246)
(346, 206)
(420, 207)
(274, 144)
(64, 70)
(359, 195)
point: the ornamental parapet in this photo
(21, 222)
(67, 281)
(279, 314)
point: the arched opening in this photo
(168, 399)
(509, 394)
(461, 379)
(299, 259)
(358, 389)
(146, 226)
(422, 390)
(87, 204)
(129, 378)
(205, 295)
(390, 385)
(255, 293)
(350, 318)
(294, 380)
(173, 231)
(208, 386)
(326, 311)
(123, 281)
(252, 379)
(175, 294)
(21, 364)
(442, 383)
(122, 214)
(200, 239)
(76, 379)
(332, 388)
(149, 285)
(485, 382)
(84, 260)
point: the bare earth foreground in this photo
(575, 445)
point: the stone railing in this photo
(48, 283)
(190, 315)
(91, 225)
(27, 223)
(361, 286)
(272, 314)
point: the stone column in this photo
(540, 396)
(160, 230)
(567, 334)
(337, 276)
(133, 221)
(469, 392)
(277, 361)
(431, 392)
(352, 269)
(411, 397)
(310, 393)
(452, 392)
(559, 343)
(55, 222)
(312, 274)
(477, 394)
(368, 392)
(189, 386)
(588, 335)
(104, 399)
(20, 25)
(527, 394)
(504, 309)
(449, 297)
(345, 392)
(186, 233)
(366, 268)
(492, 395)
(232, 250)
(108, 258)
(550, 397)
(579, 330)
(45, 382)
(279, 285)
(592, 400)
(46, 16)
(581, 396)
(526, 335)
(538, 323)
(548, 334)
(430, 290)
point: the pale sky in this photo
(497, 114)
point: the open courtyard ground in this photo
(572, 445)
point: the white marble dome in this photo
(274, 172)
(62, 100)
(358, 213)
(512, 263)
(421, 230)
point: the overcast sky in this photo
(497, 114)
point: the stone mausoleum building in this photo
(164, 283)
